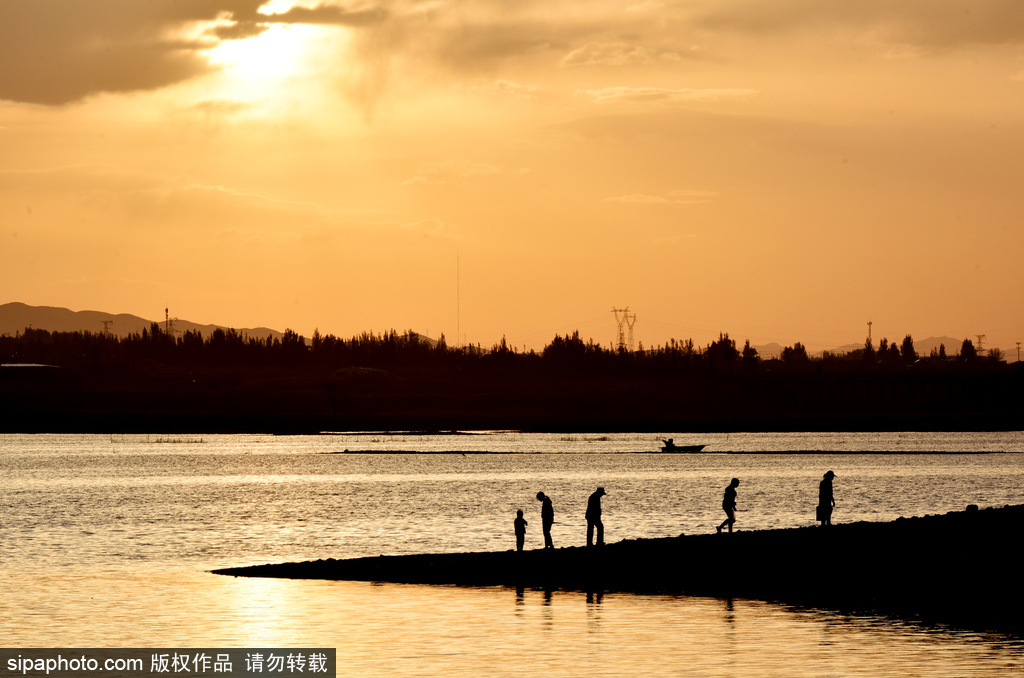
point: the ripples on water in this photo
(106, 542)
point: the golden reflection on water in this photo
(108, 549)
(406, 630)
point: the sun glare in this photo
(255, 66)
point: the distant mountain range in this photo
(16, 317)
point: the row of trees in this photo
(408, 349)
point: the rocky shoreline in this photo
(961, 568)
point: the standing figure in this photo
(729, 505)
(826, 500)
(547, 518)
(594, 518)
(520, 524)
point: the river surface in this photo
(107, 541)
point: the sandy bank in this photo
(962, 568)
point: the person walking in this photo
(594, 518)
(826, 499)
(547, 518)
(729, 505)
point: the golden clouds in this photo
(247, 154)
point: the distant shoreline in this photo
(49, 417)
(306, 394)
(959, 568)
(674, 454)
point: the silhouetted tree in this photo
(967, 351)
(569, 350)
(907, 350)
(749, 355)
(795, 354)
(888, 353)
(722, 353)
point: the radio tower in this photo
(169, 322)
(625, 320)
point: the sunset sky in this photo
(782, 171)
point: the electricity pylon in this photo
(625, 320)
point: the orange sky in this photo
(783, 171)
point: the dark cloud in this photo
(240, 30)
(56, 52)
(329, 15)
(936, 24)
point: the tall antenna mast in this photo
(458, 301)
(169, 322)
(869, 331)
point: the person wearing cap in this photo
(547, 518)
(826, 500)
(594, 518)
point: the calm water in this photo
(107, 541)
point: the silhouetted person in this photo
(826, 500)
(547, 518)
(594, 518)
(729, 505)
(520, 524)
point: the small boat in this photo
(671, 448)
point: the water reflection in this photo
(105, 547)
(406, 630)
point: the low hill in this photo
(15, 317)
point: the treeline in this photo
(229, 382)
(391, 350)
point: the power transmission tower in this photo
(620, 344)
(981, 338)
(625, 321)
(106, 326)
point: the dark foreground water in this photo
(107, 541)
